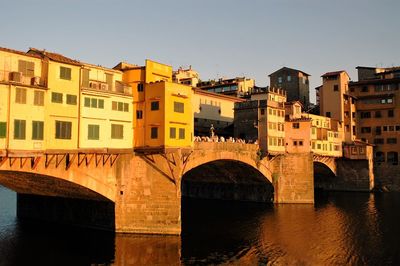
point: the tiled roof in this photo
(335, 73)
(287, 68)
(18, 52)
(55, 57)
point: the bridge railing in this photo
(226, 146)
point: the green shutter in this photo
(3, 129)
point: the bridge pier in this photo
(293, 178)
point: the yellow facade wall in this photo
(157, 72)
(62, 111)
(214, 107)
(4, 92)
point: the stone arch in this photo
(328, 162)
(85, 182)
(203, 157)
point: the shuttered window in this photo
(120, 106)
(37, 130)
(172, 132)
(26, 68)
(38, 98)
(3, 130)
(154, 133)
(71, 99)
(65, 73)
(117, 131)
(56, 97)
(85, 78)
(93, 132)
(181, 133)
(178, 107)
(155, 106)
(109, 81)
(139, 114)
(63, 130)
(20, 95)
(19, 129)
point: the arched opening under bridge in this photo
(324, 177)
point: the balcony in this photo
(18, 78)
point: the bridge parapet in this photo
(226, 146)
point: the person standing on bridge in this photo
(212, 131)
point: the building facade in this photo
(237, 87)
(295, 82)
(378, 111)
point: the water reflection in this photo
(341, 228)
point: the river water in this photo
(340, 229)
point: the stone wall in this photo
(387, 177)
(293, 178)
(147, 201)
(352, 175)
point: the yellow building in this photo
(164, 116)
(186, 76)
(106, 113)
(23, 94)
(62, 101)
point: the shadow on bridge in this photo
(227, 180)
(324, 177)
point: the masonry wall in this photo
(147, 201)
(293, 178)
(387, 177)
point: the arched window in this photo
(393, 157)
(379, 157)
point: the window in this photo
(65, 73)
(279, 79)
(365, 114)
(364, 89)
(393, 157)
(94, 132)
(178, 107)
(27, 68)
(20, 95)
(262, 111)
(117, 131)
(181, 133)
(391, 140)
(366, 130)
(63, 129)
(390, 113)
(38, 98)
(19, 129)
(3, 130)
(300, 143)
(71, 99)
(289, 78)
(378, 141)
(296, 125)
(154, 133)
(379, 157)
(56, 97)
(37, 130)
(295, 143)
(172, 132)
(120, 106)
(87, 102)
(100, 103)
(335, 87)
(109, 81)
(140, 87)
(378, 130)
(378, 114)
(328, 114)
(155, 106)
(139, 114)
(85, 78)
(126, 107)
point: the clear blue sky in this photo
(219, 38)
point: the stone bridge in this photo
(141, 192)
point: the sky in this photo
(218, 38)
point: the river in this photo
(341, 228)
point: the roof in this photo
(126, 66)
(302, 119)
(287, 68)
(334, 73)
(294, 102)
(54, 57)
(319, 87)
(18, 52)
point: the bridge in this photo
(141, 191)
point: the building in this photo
(378, 111)
(106, 109)
(188, 76)
(262, 118)
(62, 101)
(23, 90)
(213, 109)
(311, 133)
(164, 116)
(337, 103)
(295, 82)
(237, 87)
